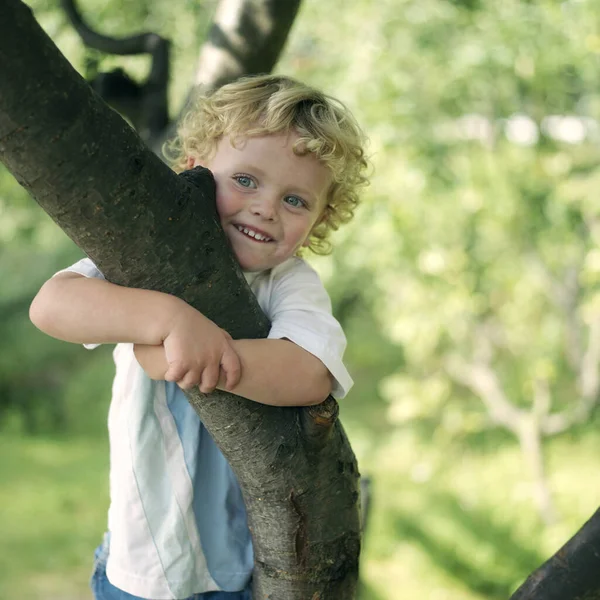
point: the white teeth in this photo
(254, 234)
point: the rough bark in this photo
(573, 573)
(146, 227)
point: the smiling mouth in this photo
(253, 234)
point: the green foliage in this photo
(33, 368)
(477, 245)
(477, 216)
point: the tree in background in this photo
(245, 36)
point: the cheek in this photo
(299, 234)
(225, 203)
(308, 230)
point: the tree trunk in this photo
(245, 37)
(530, 440)
(146, 227)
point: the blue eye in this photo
(295, 201)
(245, 181)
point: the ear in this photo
(192, 162)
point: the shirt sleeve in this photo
(83, 267)
(86, 268)
(300, 310)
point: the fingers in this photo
(189, 381)
(202, 367)
(210, 378)
(182, 375)
(176, 371)
(206, 379)
(232, 367)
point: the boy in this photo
(287, 162)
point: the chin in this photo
(251, 266)
(254, 268)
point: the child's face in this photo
(269, 199)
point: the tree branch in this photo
(573, 573)
(246, 36)
(483, 382)
(542, 399)
(589, 374)
(135, 44)
(588, 387)
(145, 104)
(530, 440)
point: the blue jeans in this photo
(104, 590)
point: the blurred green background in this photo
(468, 285)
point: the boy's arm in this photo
(274, 371)
(301, 361)
(86, 310)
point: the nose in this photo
(265, 207)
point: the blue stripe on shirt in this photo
(218, 504)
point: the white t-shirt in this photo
(177, 521)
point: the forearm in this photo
(93, 311)
(280, 373)
(275, 372)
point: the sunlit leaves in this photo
(484, 201)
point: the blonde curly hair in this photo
(271, 104)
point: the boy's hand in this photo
(196, 350)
